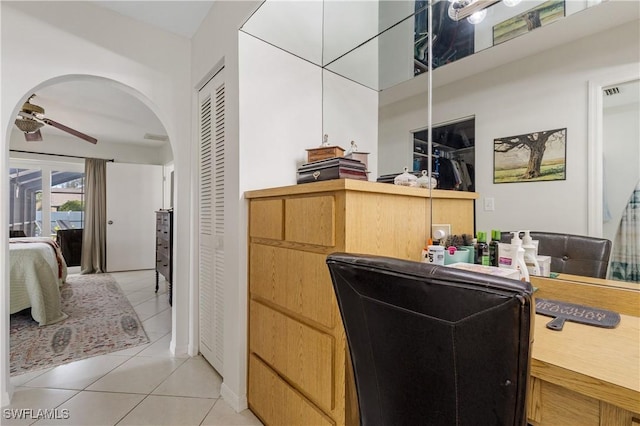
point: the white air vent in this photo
(152, 137)
(611, 91)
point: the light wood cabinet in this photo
(299, 368)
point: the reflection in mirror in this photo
(453, 156)
(382, 43)
(293, 26)
(512, 84)
(322, 31)
(621, 149)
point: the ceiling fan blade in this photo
(70, 130)
(33, 137)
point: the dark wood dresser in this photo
(164, 248)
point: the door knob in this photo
(110, 222)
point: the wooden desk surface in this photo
(597, 362)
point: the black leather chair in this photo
(572, 254)
(434, 345)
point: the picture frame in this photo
(541, 15)
(530, 157)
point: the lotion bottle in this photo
(518, 257)
(530, 259)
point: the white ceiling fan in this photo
(31, 118)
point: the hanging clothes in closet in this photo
(625, 259)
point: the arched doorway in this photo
(88, 89)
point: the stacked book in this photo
(332, 168)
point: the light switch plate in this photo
(440, 231)
(489, 204)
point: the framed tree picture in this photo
(530, 157)
(533, 18)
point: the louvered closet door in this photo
(211, 220)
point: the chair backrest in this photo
(17, 234)
(572, 254)
(434, 345)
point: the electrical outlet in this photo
(440, 231)
(489, 204)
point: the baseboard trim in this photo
(178, 350)
(236, 402)
(5, 397)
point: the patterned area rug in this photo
(101, 320)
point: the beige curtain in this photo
(94, 236)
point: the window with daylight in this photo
(45, 198)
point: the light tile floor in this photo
(144, 385)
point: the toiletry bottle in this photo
(530, 254)
(482, 254)
(425, 251)
(493, 248)
(518, 257)
(474, 243)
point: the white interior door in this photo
(134, 193)
(211, 220)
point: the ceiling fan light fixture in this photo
(31, 108)
(28, 125)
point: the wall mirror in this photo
(381, 43)
(515, 75)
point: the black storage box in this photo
(332, 168)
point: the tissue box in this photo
(490, 270)
(545, 265)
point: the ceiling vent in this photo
(611, 91)
(152, 137)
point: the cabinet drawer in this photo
(163, 219)
(266, 219)
(163, 265)
(162, 232)
(275, 402)
(162, 247)
(311, 220)
(549, 404)
(296, 280)
(298, 352)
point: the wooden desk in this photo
(585, 375)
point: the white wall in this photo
(273, 113)
(280, 114)
(216, 44)
(545, 91)
(350, 113)
(65, 40)
(621, 145)
(120, 152)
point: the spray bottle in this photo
(530, 255)
(518, 257)
(482, 253)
